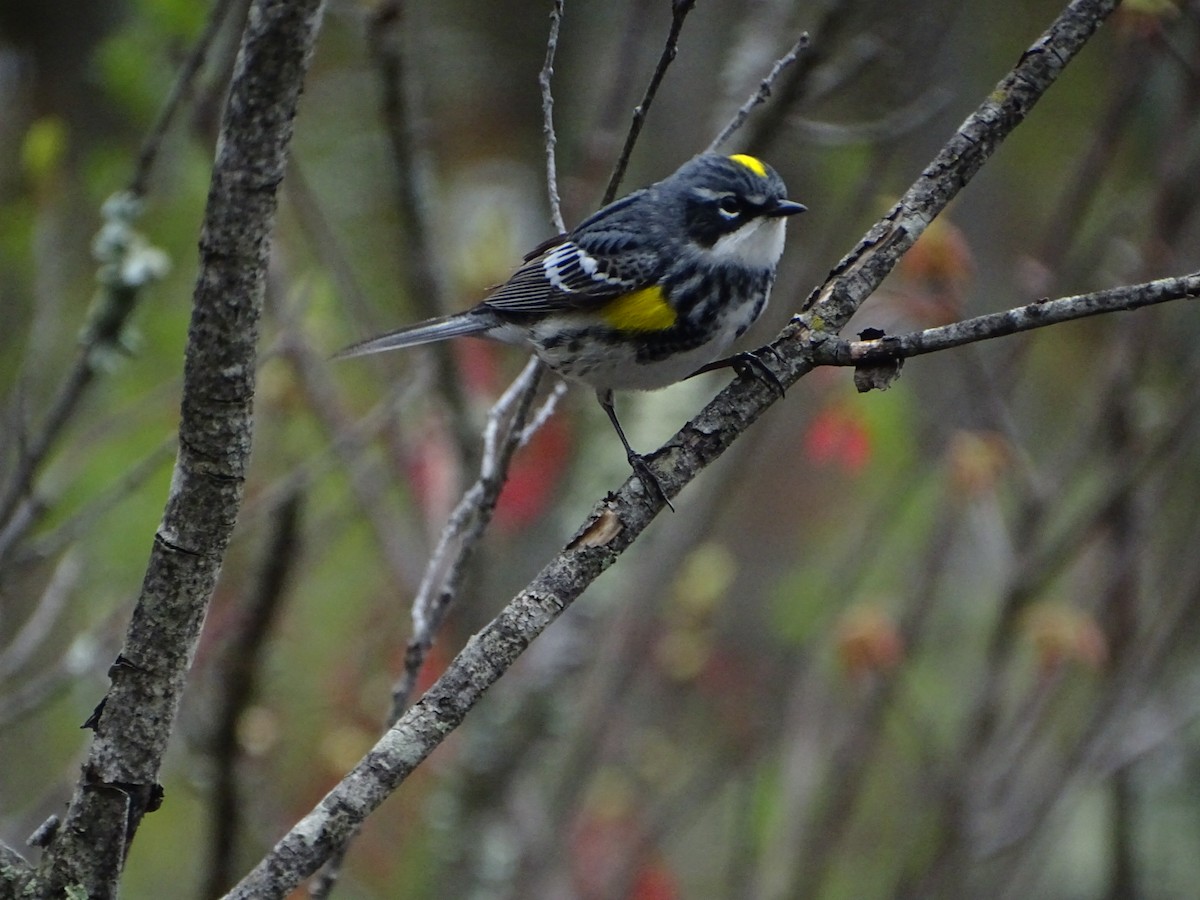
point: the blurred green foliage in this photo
(852, 608)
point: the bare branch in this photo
(544, 77)
(397, 539)
(406, 134)
(401, 110)
(238, 682)
(179, 91)
(57, 539)
(794, 87)
(543, 413)
(18, 878)
(761, 94)
(679, 12)
(133, 723)
(602, 139)
(115, 301)
(835, 352)
(18, 652)
(862, 270)
(616, 522)
(14, 519)
(901, 121)
(503, 434)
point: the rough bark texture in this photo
(862, 270)
(616, 522)
(831, 351)
(133, 724)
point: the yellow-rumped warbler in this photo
(649, 290)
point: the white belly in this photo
(607, 365)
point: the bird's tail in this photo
(422, 333)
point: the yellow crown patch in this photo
(752, 163)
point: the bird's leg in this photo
(748, 364)
(636, 461)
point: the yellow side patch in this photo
(644, 310)
(754, 164)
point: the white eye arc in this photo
(729, 207)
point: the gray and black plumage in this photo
(643, 293)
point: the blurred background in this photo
(934, 642)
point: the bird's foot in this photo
(649, 480)
(749, 364)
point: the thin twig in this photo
(504, 433)
(34, 449)
(816, 852)
(405, 128)
(629, 40)
(325, 239)
(36, 693)
(1080, 191)
(1023, 318)
(544, 77)
(396, 538)
(238, 682)
(179, 91)
(897, 123)
(618, 520)
(760, 95)
(392, 48)
(33, 633)
(57, 539)
(793, 88)
(119, 778)
(543, 413)
(1042, 556)
(679, 12)
(979, 136)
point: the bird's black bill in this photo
(786, 208)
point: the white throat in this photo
(758, 244)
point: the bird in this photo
(647, 291)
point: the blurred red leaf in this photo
(602, 846)
(655, 881)
(479, 363)
(837, 436)
(436, 660)
(432, 469)
(935, 275)
(534, 476)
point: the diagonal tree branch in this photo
(616, 522)
(392, 51)
(830, 351)
(556, 216)
(679, 12)
(760, 95)
(241, 668)
(862, 270)
(133, 723)
(505, 433)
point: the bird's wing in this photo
(607, 256)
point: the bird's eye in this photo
(729, 207)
